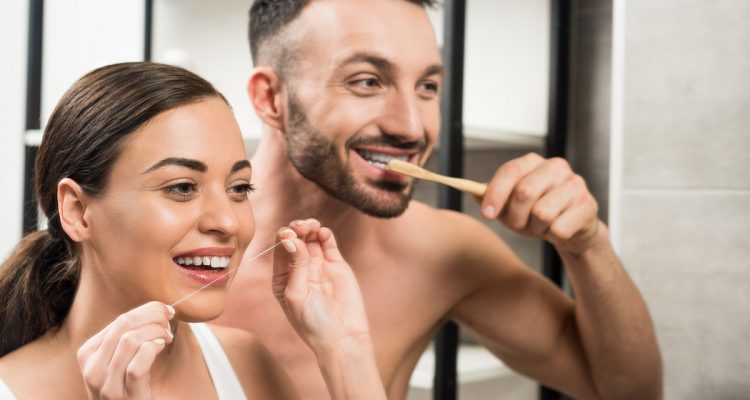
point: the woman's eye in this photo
(241, 191)
(181, 191)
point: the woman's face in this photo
(175, 214)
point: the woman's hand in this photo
(116, 362)
(316, 287)
(321, 298)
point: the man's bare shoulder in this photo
(444, 239)
(451, 229)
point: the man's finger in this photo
(501, 185)
(572, 221)
(548, 208)
(530, 189)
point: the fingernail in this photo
(489, 212)
(287, 233)
(170, 310)
(289, 246)
(160, 341)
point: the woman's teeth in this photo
(381, 160)
(213, 262)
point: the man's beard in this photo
(317, 159)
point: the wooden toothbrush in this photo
(464, 185)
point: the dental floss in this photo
(234, 269)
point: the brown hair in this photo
(81, 142)
(267, 21)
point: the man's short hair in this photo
(268, 18)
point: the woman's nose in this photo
(219, 216)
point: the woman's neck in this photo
(91, 312)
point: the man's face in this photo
(364, 91)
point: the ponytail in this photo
(37, 285)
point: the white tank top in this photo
(222, 374)
(5, 393)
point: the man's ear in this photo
(71, 206)
(268, 96)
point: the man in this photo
(342, 86)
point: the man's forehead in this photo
(340, 28)
(368, 17)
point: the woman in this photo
(143, 177)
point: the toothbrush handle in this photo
(464, 185)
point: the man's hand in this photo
(544, 198)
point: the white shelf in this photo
(475, 364)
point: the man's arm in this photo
(602, 345)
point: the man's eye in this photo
(431, 87)
(370, 82)
(365, 84)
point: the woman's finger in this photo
(149, 313)
(138, 371)
(290, 267)
(329, 245)
(96, 353)
(130, 342)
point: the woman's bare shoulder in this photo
(32, 370)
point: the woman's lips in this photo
(205, 276)
(205, 265)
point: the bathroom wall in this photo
(684, 191)
(13, 30)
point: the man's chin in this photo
(384, 201)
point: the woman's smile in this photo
(206, 265)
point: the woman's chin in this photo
(199, 310)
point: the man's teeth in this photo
(381, 160)
(213, 262)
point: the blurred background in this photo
(657, 115)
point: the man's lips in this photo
(379, 157)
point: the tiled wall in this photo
(686, 187)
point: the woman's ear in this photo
(268, 96)
(71, 206)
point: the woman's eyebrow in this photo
(240, 165)
(180, 162)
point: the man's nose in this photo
(403, 117)
(219, 216)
